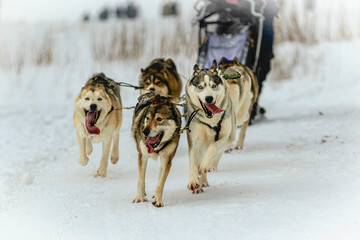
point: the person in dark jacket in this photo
(266, 47)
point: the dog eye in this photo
(200, 87)
(213, 86)
(99, 99)
(159, 119)
(87, 99)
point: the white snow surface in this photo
(297, 178)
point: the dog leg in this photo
(89, 147)
(212, 156)
(203, 180)
(115, 149)
(106, 144)
(232, 135)
(163, 174)
(83, 160)
(194, 183)
(240, 143)
(142, 163)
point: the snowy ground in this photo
(298, 177)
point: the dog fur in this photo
(155, 130)
(211, 131)
(161, 77)
(244, 91)
(97, 118)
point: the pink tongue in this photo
(149, 141)
(89, 118)
(213, 108)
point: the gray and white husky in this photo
(213, 128)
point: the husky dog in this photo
(155, 129)
(161, 77)
(212, 128)
(97, 118)
(244, 91)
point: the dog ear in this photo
(236, 61)
(223, 60)
(214, 67)
(196, 70)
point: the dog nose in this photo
(152, 89)
(209, 99)
(93, 107)
(146, 132)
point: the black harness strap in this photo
(112, 109)
(187, 127)
(217, 128)
(167, 143)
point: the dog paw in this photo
(114, 160)
(229, 150)
(195, 188)
(140, 199)
(193, 185)
(239, 147)
(83, 161)
(157, 202)
(198, 190)
(205, 184)
(100, 174)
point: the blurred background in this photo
(69, 40)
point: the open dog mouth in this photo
(210, 109)
(91, 119)
(152, 142)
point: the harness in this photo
(167, 142)
(112, 109)
(217, 128)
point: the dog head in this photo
(225, 63)
(206, 90)
(154, 79)
(94, 103)
(160, 122)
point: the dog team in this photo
(218, 100)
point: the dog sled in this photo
(234, 29)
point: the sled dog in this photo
(244, 91)
(213, 128)
(97, 118)
(155, 129)
(161, 77)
